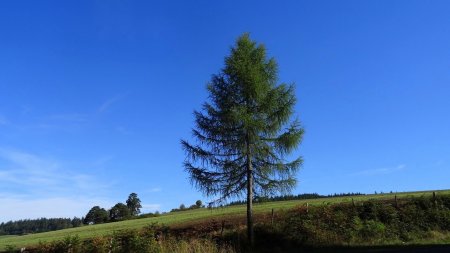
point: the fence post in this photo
(353, 202)
(396, 201)
(434, 199)
(223, 227)
(272, 216)
(307, 207)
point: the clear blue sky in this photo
(96, 95)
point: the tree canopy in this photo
(244, 132)
(119, 212)
(134, 204)
(96, 215)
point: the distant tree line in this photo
(96, 215)
(198, 204)
(29, 226)
(261, 199)
(118, 212)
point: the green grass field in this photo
(187, 216)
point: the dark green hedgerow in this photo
(148, 240)
(368, 223)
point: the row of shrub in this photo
(373, 222)
(148, 240)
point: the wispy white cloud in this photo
(25, 109)
(20, 207)
(66, 122)
(26, 160)
(35, 175)
(17, 206)
(45, 186)
(439, 162)
(150, 208)
(123, 130)
(156, 189)
(108, 103)
(100, 162)
(3, 120)
(62, 121)
(70, 117)
(380, 171)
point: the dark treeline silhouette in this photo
(28, 226)
(259, 199)
(118, 212)
(198, 204)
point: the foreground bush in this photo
(368, 223)
(125, 241)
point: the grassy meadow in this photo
(186, 217)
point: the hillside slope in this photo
(179, 218)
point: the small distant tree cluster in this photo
(118, 212)
(198, 204)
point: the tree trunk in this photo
(249, 197)
(250, 206)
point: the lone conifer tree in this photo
(244, 132)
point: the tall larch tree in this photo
(244, 133)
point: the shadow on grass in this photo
(276, 243)
(444, 248)
(375, 249)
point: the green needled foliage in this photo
(134, 204)
(244, 132)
